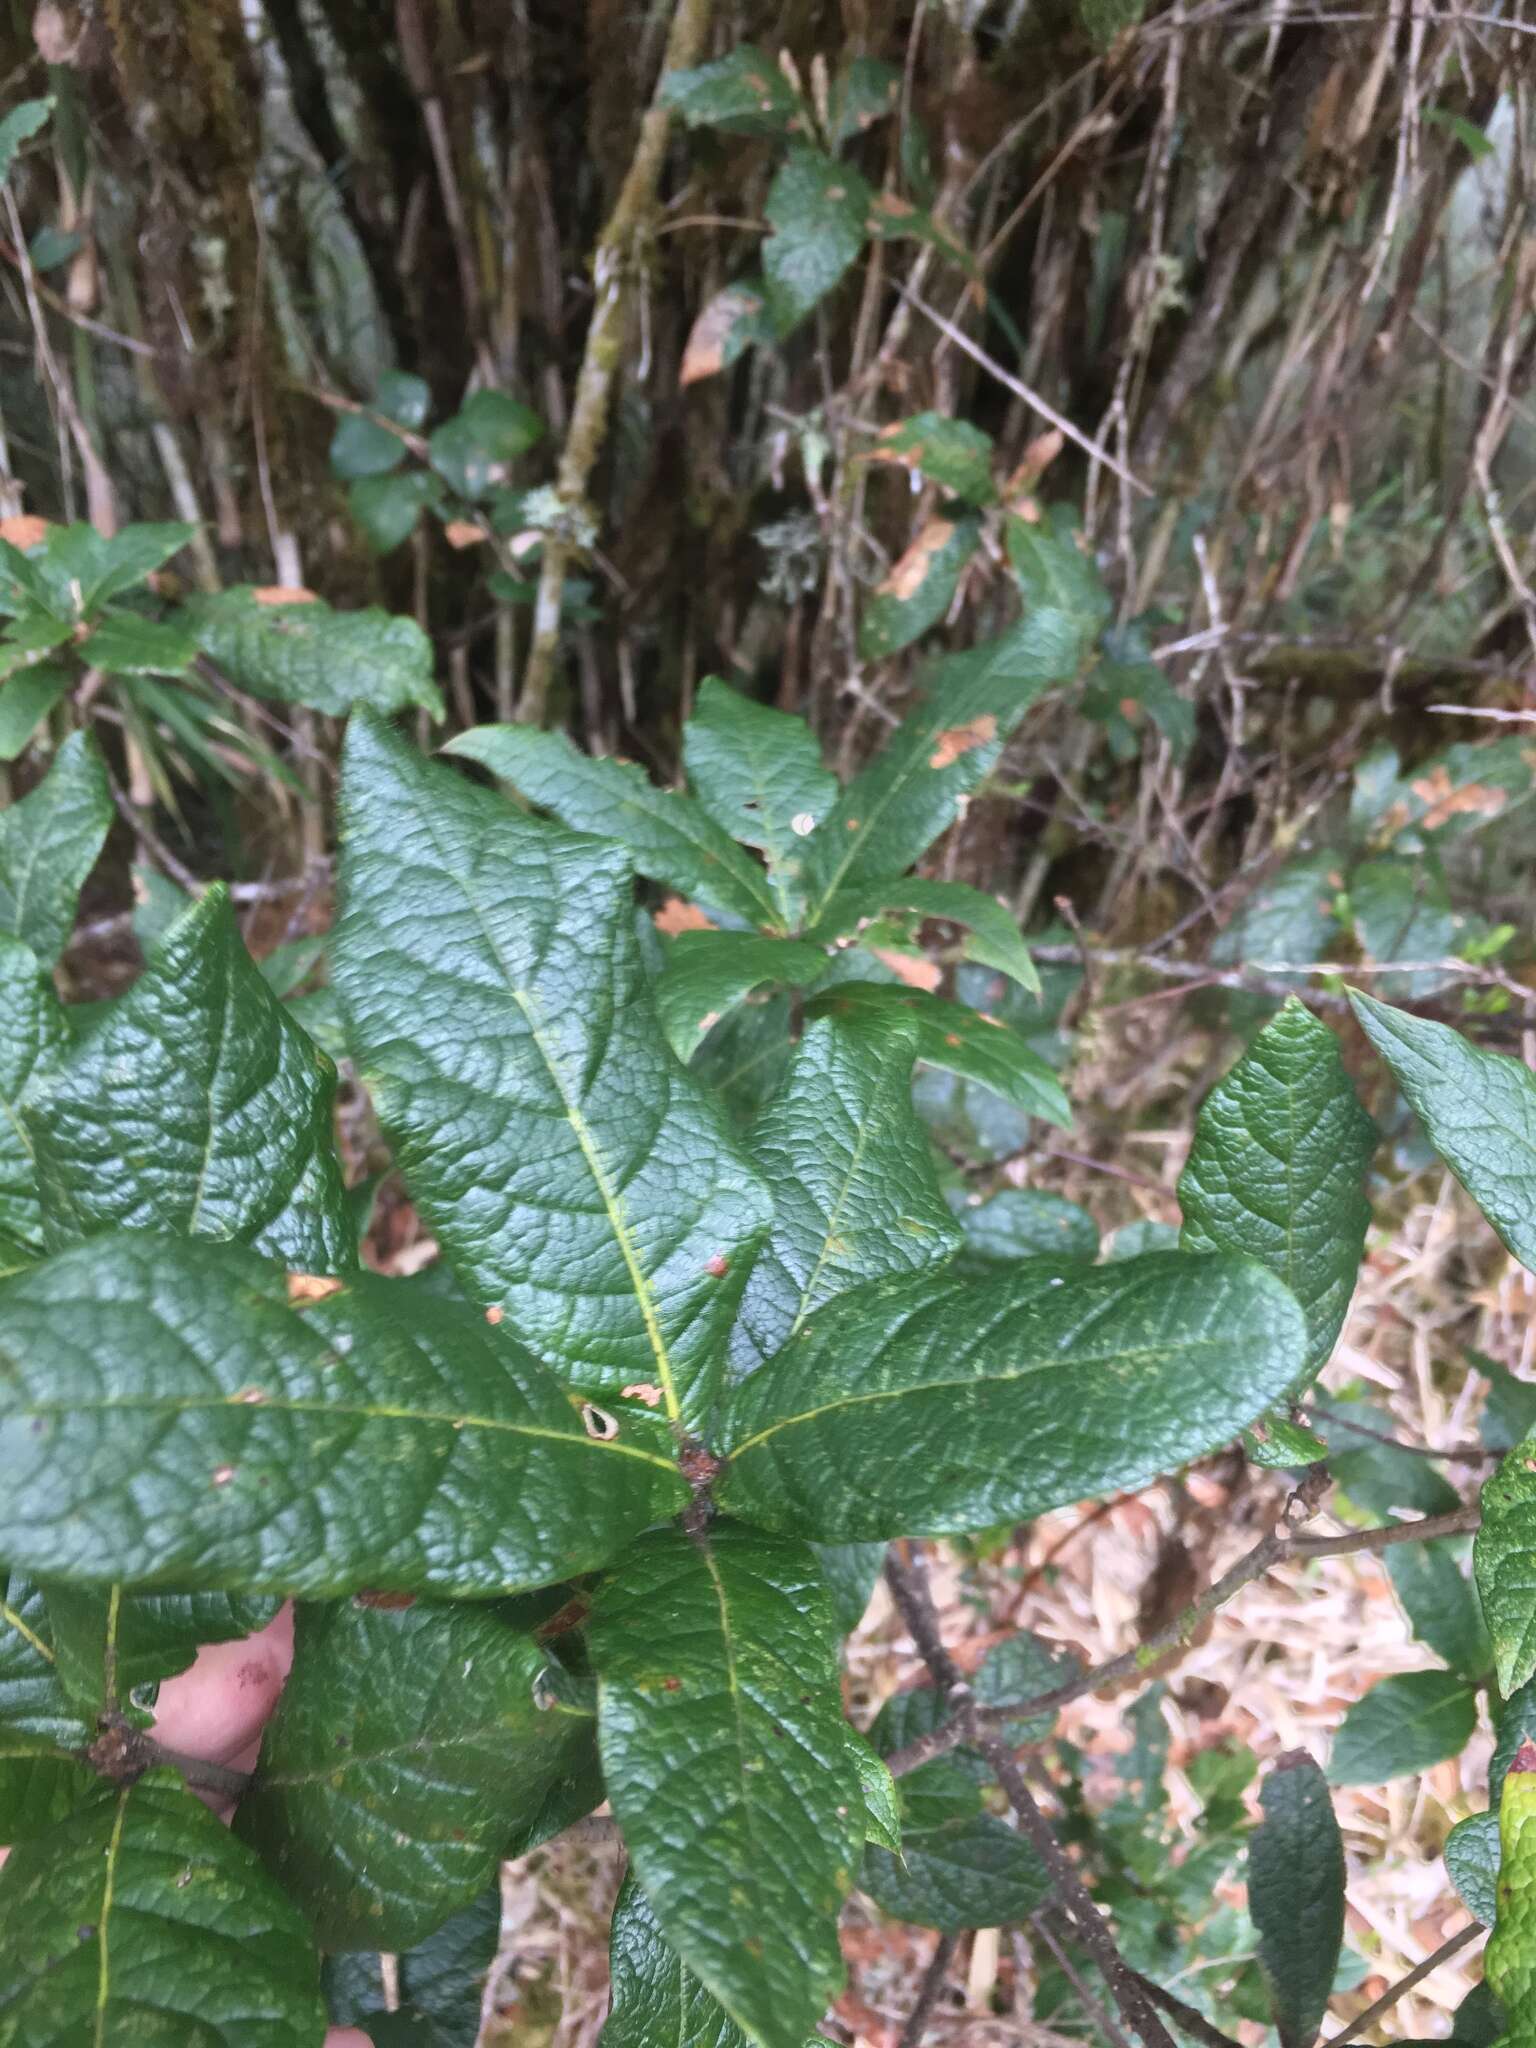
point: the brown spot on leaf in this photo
(910, 573)
(642, 1390)
(893, 206)
(494, 1313)
(598, 1423)
(251, 1396)
(960, 739)
(222, 1474)
(1036, 460)
(915, 972)
(1475, 799)
(24, 530)
(1525, 1756)
(463, 533)
(677, 916)
(284, 593)
(671, 1685)
(388, 1603)
(704, 354)
(303, 1287)
(717, 1266)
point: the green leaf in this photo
(1403, 1725)
(1402, 911)
(1296, 1895)
(1442, 1607)
(894, 809)
(817, 209)
(572, 1172)
(851, 1572)
(386, 508)
(851, 1174)
(1478, 1108)
(1277, 1170)
(744, 93)
(24, 120)
(707, 973)
(26, 700)
(110, 1643)
(721, 1731)
(1020, 1668)
(360, 447)
(963, 1041)
(406, 1750)
(959, 1866)
(882, 1809)
(1055, 569)
(655, 1999)
(1104, 20)
(33, 1034)
(1290, 917)
(758, 772)
(919, 589)
(1026, 1223)
(1505, 1566)
(118, 562)
(1472, 1864)
(140, 1918)
(441, 1981)
(865, 93)
(670, 838)
(1467, 133)
(39, 1784)
(473, 451)
(1509, 1406)
(726, 327)
(194, 1104)
(305, 653)
(1276, 1444)
(124, 645)
(950, 453)
(172, 1420)
(48, 845)
(944, 1402)
(994, 936)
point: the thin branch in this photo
(1094, 2007)
(1277, 1548)
(1404, 1985)
(613, 265)
(928, 1996)
(1194, 2023)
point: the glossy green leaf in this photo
(894, 809)
(817, 209)
(972, 1043)
(708, 973)
(105, 566)
(406, 1750)
(655, 1998)
(1277, 1171)
(1509, 1961)
(882, 1807)
(942, 1402)
(388, 507)
(33, 1034)
(1026, 1223)
(993, 936)
(1289, 917)
(360, 447)
(110, 1643)
(27, 698)
(140, 1918)
(39, 1783)
(1055, 568)
(128, 646)
(720, 1723)
(1441, 1603)
(573, 1173)
(851, 1175)
(48, 845)
(670, 838)
(1478, 1108)
(26, 119)
(1505, 1566)
(173, 1421)
(194, 1104)
(1276, 1444)
(440, 1981)
(1296, 1895)
(959, 1866)
(1404, 1724)
(919, 589)
(950, 453)
(759, 774)
(1472, 1864)
(1020, 1668)
(1402, 911)
(744, 93)
(305, 653)
(473, 450)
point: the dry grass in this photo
(1276, 1671)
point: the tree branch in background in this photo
(1404, 1985)
(613, 264)
(928, 1996)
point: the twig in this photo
(1021, 390)
(928, 1996)
(1194, 2023)
(1104, 2021)
(909, 1588)
(1404, 1985)
(1276, 1548)
(613, 262)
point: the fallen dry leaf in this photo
(907, 967)
(677, 916)
(908, 575)
(956, 740)
(1445, 801)
(704, 353)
